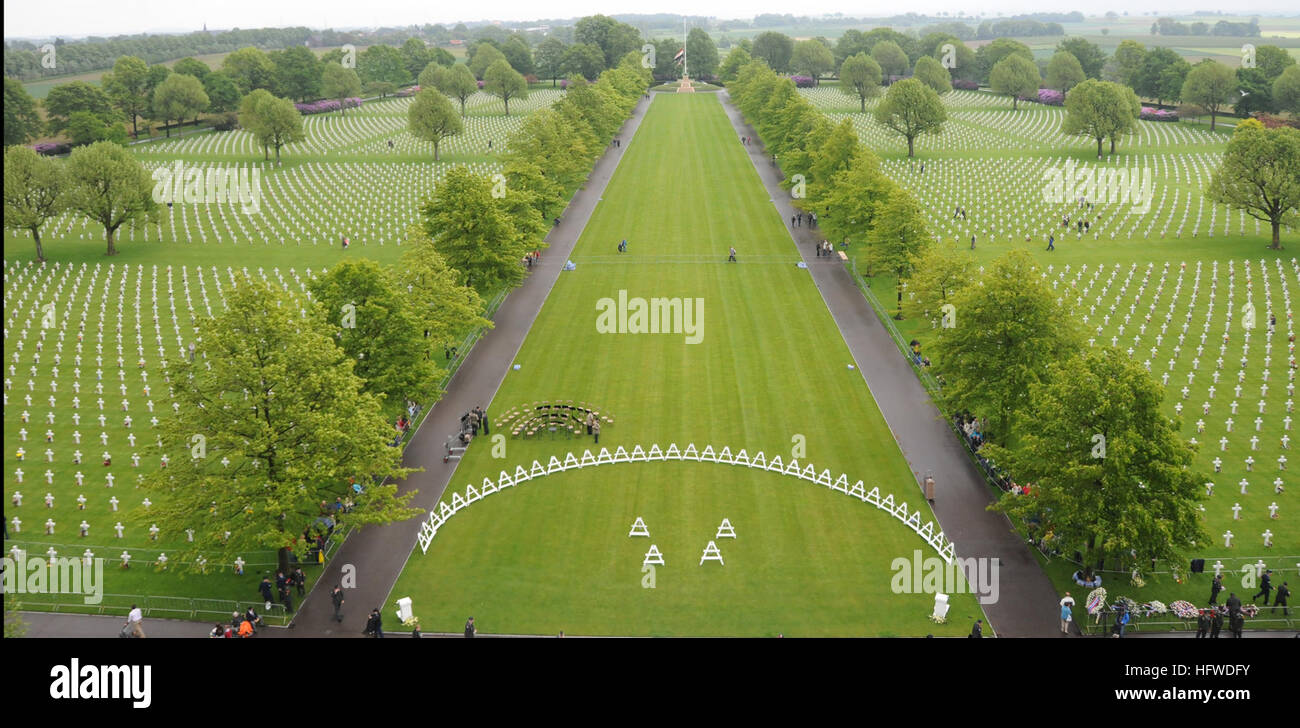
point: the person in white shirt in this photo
(135, 620)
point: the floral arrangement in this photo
(328, 105)
(803, 81)
(1051, 97)
(938, 620)
(1152, 114)
(1096, 600)
(1250, 610)
(480, 85)
(1184, 609)
(1124, 604)
(1153, 608)
(964, 85)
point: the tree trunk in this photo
(167, 127)
(135, 129)
(1099, 147)
(277, 155)
(1277, 233)
(1015, 103)
(282, 559)
(507, 102)
(40, 253)
(909, 146)
(863, 103)
(111, 233)
(435, 150)
(1112, 145)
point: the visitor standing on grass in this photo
(1051, 242)
(972, 242)
(265, 587)
(595, 430)
(978, 630)
(300, 581)
(1216, 624)
(336, 597)
(470, 629)
(1215, 588)
(591, 420)
(732, 258)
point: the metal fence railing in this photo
(158, 607)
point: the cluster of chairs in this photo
(566, 415)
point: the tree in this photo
(1254, 92)
(473, 232)
(65, 99)
(444, 308)
(460, 85)
(222, 91)
(911, 108)
(994, 53)
(22, 120)
(614, 39)
(810, 57)
(415, 56)
(893, 61)
(1211, 86)
(518, 55)
(192, 67)
(340, 83)
(433, 76)
(775, 48)
(583, 59)
(900, 236)
(1273, 61)
(1016, 77)
(1098, 109)
(297, 73)
(180, 97)
(128, 86)
(36, 191)
(1286, 93)
(1161, 75)
(382, 64)
(848, 206)
(1260, 175)
(1090, 56)
(931, 73)
(736, 58)
(505, 83)
(250, 116)
(1128, 60)
(1009, 327)
(549, 58)
(702, 54)
(377, 327)
(432, 118)
(485, 55)
(936, 278)
(250, 68)
(1112, 474)
(276, 124)
(285, 425)
(1064, 72)
(110, 187)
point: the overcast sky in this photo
(78, 18)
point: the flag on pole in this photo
(680, 55)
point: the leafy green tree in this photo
(297, 73)
(110, 187)
(936, 279)
(851, 43)
(192, 67)
(250, 118)
(1255, 93)
(432, 118)
(961, 62)
(22, 120)
(383, 64)
(484, 56)
(340, 83)
(378, 327)
(460, 85)
(415, 56)
(1128, 60)
(505, 83)
(1098, 109)
(613, 38)
(1112, 474)
(1260, 175)
(180, 97)
(1064, 72)
(222, 91)
(444, 308)
(1090, 56)
(736, 58)
(128, 87)
(85, 128)
(36, 191)
(893, 61)
(433, 76)
(911, 109)
(812, 58)
(64, 99)
(1009, 328)
(274, 121)
(931, 73)
(1286, 92)
(994, 53)
(702, 53)
(583, 59)
(1273, 60)
(899, 237)
(285, 424)
(1016, 77)
(473, 232)
(1161, 75)
(847, 207)
(518, 55)
(250, 68)
(1211, 86)
(549, 58)
(775, 48)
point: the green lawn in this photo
(555, 554)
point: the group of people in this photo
(593, 426)
(284, 586)
(973, 427)
(622, 246)
(917, 358)
(241, 625)
(797, 220)
(824, 249)
(470, 422)
(533, 257)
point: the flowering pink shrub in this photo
(1051, 97)
(48, 148)
(328, 105)
(964, 85)
(803, 81)
(1151, 114)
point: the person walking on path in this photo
(135, 622)
(1051, 242)
(375, 625)
(1265, 587)
(972, 242)
(1215, 588)
(732, 257)
(300, 581)
(470, 629)
(336, 597)
(929, 496)
(482, 413)
(1283, 592)
(978, 630)
(1066, 617)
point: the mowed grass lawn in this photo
(554, 554)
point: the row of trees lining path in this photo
(373, 552)
(1027, 601)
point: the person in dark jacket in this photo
(1215, 588)
(1216, 624)
(1265, 587)
(336, 596)
(1234, 604)
(300, 581)
(265, 587)
(375, 627)
(1282, 593)
(286, 598)
(1202, 624)
(470, 629)
(978, 629)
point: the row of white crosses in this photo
(49, 326)
(472, 140)
(17, 554)
(654, 557)
(831, 98)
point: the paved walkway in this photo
(1027, 601)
